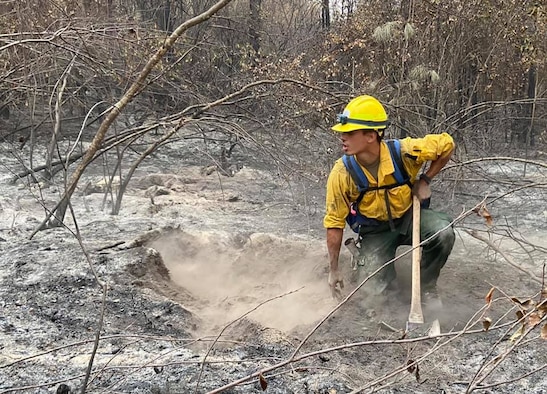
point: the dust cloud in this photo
(229, 276)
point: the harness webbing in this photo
(361, 180)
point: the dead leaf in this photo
(525, 304)
(413, 368)
(410, 366)
(263, 382)
(488, 297)
(544, 331)
(486, 323)
(520, 315)
(483, 212)
(534, 319)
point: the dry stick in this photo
(304, 369)
(404, 367)
(512, 326)
(535, 184)
(57, 127)
(232, 322)
(31, 170)
(513, 380)
(125, 377)
(519, 240)
(472, 321)
(496, 158)
(523, 243)
(53, 36)
(118, 367)
(36, 386)
(61, 206)
(109, 143)
(153, 363)
(125, 368)
(350, 346)
(191, 362)
(125, 182)
(104, 367)
(496, 361)
(79, 136)
(104, 288)
(504, 255)
(198, 109)
(81, 343)
(531, 128)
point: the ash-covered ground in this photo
(204, 279)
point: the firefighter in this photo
(381, 213)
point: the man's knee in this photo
(438, 225)
(446, 238)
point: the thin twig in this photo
(496, 361)
(507, 258)
(350, 346)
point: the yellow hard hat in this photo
(362, 113)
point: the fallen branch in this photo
(354, 345)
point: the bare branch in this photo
(507, 258)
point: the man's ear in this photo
(371, 135)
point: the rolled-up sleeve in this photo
(429, 148)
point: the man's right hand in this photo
(335, 279)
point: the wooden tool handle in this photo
(416, 315)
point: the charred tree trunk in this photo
(254, 24)
(164, 17)
(532, 84)
(325, 14)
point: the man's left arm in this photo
(421, 188)
(437, 165)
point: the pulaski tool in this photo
(416, 316)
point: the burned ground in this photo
(232, 271)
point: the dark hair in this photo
(379, 133)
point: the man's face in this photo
(356, 141)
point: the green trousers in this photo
(379, 245)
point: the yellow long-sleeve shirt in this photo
(342, 191)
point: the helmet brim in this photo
(348, 127)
